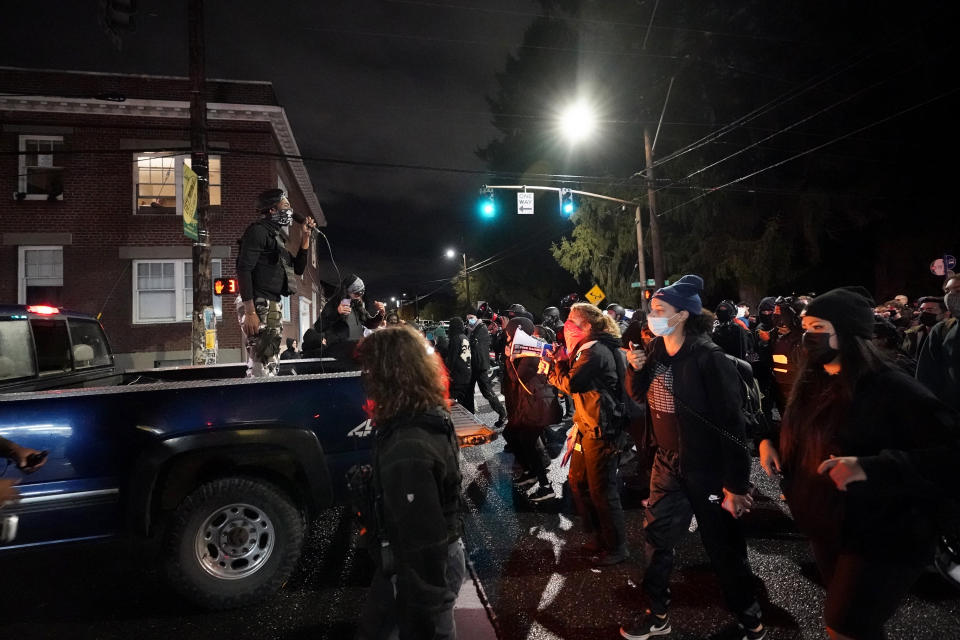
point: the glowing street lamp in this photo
(452, 253)
(578, 122)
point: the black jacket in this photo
(592, 381)
(480, 347)
(734, 339)
(708, 404)
(457, 356)
(907, 442)
(532, 403)
(264, 265)
(417, 472)
(939, 364)
(336, 328)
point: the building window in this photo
(158, 181)
(40, 271)
(286, 309)
(40, 175)
(163, 290)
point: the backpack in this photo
(751, 398)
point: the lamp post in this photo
(451, 253)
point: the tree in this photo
(785, 200)
(602, 250)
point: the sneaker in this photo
(646, 626)
(758, 634)
(524, 480)
(610, 558)
(543, 492)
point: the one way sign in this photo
(525, 203)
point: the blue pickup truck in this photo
(226, 471)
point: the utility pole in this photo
(658, 267)
(203, 334)
(466, 279)
(641, 261)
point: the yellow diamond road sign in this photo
(595, 295)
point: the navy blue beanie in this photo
(684, 294)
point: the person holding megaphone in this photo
(532, 406)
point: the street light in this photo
(578, 122)
(451, 253)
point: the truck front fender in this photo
(242, 446)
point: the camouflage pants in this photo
(263, 349)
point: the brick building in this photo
(90, 196)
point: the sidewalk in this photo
(470, 614)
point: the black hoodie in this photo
(457, 357)
(707, 393)
(417, 470)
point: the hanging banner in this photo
(190, 203)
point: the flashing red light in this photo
(43, 310)
(226, 285)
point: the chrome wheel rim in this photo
(235, 541)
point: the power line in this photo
(787, 97)
(610, 23)
(804, 120)
(814, 149)
(401, 36)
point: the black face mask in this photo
(928, 319)
(724, 314)
(766, 320)
(817, 346)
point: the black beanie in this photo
(519, 322)
(269, 198)
(849, 309)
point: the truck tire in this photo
(232, 542)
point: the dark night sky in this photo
(405, 82)
(398, 82)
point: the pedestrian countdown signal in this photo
(222, 286)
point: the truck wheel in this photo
(232, 542)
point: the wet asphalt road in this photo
(538, 584)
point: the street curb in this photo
(472, 612)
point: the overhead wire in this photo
(790, 127)
(814, 149)
(791, 95)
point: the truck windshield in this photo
(16, 350)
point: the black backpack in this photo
(751, 398)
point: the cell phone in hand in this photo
(34, 459)
(345, 302)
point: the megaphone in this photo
(526, 346)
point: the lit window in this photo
(40, 272)
(158, 181)
(158, 298)
(40, 174)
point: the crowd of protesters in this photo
(859, 421)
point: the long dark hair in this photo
(698, 325)
(401, 374)
(805, 432)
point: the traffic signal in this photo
(223, 286)
(567, 205)
(488, 205)
(647, 293)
